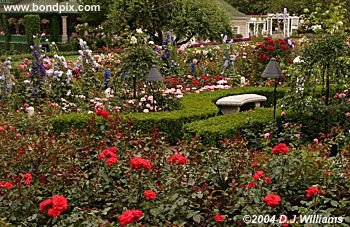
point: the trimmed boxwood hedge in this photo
(194, 107)
(214, 129)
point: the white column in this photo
(64, 29)
(271, 26)
(247, 30)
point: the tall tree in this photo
(183, 18)
(98, 17)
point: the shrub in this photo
(32, 26)
(193, 107)
(214, 129)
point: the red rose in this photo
(53, 213)
(130, 216)
(139, 163)
(7, 185)
(109, 155)
(272, 200)
(258, 174)
(43, 206)
(204, 77)
(113, 149)
(280, 148)
(54, 206)
(59, 203)
(102, 113)
(255, 163)
(119, 135)
(150, 195)
(219, 218)
(251, 184)
(28, 178)
(313, 190)
(177, 159)
(195, 82)
(267, 180)
(263, 58)
(111, 161)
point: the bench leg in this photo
(229, 109)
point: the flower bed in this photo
(108, 174)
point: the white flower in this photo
(151, 42)
(139, 30)
(133, 40)
(298, 60)
(146, 110)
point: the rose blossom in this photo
(280, 148)
(130, 216)
(313, 190)
(272, 200)
(219, 218)
(140, 163)
(177, 159)
(150, 195)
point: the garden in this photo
(131, 135)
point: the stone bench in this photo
(232, 104)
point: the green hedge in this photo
(32, 26)
(194, 107)
(214, 129)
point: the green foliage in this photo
(214, 129)
(327, 18)
(32, 26)
(55, 28)
(185, 18)
(325, 62)
(6, 28)
(137, 58)
(96, 18)
(193, 107)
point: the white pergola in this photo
(290, 23)
(264, 25)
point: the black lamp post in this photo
(273, 71)
(153, 76)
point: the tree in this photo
(183, 18)
(32, 26)
(96, 18)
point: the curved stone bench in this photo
(232, 104)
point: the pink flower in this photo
(297, 136)
(315, 141)
(267, 135)
(347, 114)
(283, 114)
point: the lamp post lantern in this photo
(153, 76)
(273, 71)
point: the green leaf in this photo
(334, 203)
(174, 197)
(155, 211)
(197, 218)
